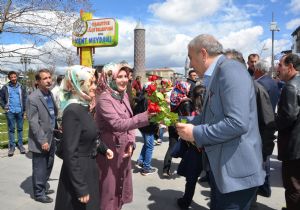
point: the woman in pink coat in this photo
(116, 124)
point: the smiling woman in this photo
(116, 124)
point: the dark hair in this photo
(38, 74)
(191, 71)
(198, 95)
(125, 68)
(11, 73)
(98, 71)
(59, 79)
(253, 55)
(292, 59)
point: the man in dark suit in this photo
(288, 123)
(41, 113)
(227, 128)
(270, 85)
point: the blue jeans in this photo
(161, 133)
(12, 120)
(147, 151)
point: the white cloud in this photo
(245, 40)
(294, 6)
(179, 11)
(293, 24)
(273, 1)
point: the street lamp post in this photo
(273, 28)
(187, 66)
(25, 60)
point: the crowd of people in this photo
(232, 108)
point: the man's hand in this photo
(45, 147)
(185, 131)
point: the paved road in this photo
(150, 192)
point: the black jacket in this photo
(288, 120)
(140, 107)
(4, 96)
(266, 119)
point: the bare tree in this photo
(44, 25)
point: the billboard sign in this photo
(95, 33)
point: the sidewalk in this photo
(150, 192)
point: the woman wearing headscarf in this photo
(78, 182)
(116, 123)
(181, 104)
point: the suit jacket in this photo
(266, 119)
(228, 128)
(39, 120)
(271, 87)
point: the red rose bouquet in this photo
(157, 104)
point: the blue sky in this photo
(171, 24)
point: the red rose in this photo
(152, 78)
(150, 89)
(153, 107)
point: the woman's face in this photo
(122, 81)
(92, 88)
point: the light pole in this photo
(273, 28)
(187, 66)
(25, 60)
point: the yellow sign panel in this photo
(95, 33)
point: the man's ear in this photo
(203, 54)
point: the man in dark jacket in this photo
(192, 79)
(288, 123)
(12, 100)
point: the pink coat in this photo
(116, 124)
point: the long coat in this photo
(79, 172)
(116, 124)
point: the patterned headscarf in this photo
(75, 86)
(179, 93)
(111, 87)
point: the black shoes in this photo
(204, 179)
(11, 151)
(182, 203)
(44, 199)
(139, 164)
(146, 172)
(264, 191)
(167, 174)
(22, 149)
(47, 192)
